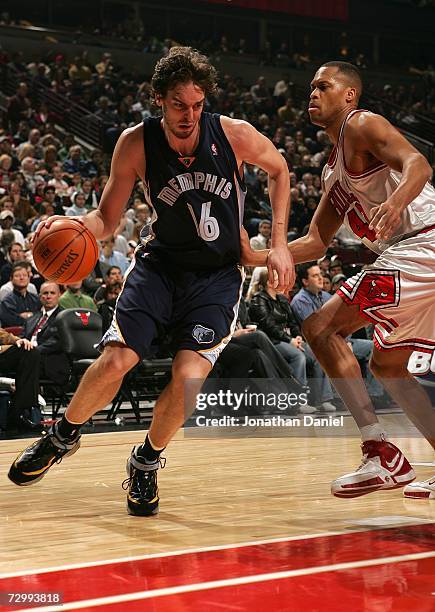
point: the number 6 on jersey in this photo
(208, 227)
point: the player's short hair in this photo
(351, 72)
(182, 65)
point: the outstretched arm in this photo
(323, 227)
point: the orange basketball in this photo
(66, 252)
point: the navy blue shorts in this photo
(198, 310)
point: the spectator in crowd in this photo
(18, 358)
(106, 306)
(37, 355)
(327, 285)
(15, 252)
(272, 313)
(275, 317)
(7, 219)
(337, 281)
(260, 241)
(77, 209)
(19, 107)
(41, 330)
(112, 276)
(75, 162)
(111, 257)
(21, 304)
(74, 298)
(59, 184)
(311, 298)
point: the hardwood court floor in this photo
(267, 495)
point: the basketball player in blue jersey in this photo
(377, 184)
(185, 277)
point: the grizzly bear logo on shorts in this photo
(203, 335)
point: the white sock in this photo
(373, 432)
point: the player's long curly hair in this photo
(182, 65)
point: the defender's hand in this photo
(281, 269)
(385, 220)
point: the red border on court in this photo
(121, 578)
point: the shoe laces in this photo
(146, 480)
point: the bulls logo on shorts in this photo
(372, 290)
(203, 335)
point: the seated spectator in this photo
(125, 228)
(106, 306)
(112, 276)
(18, 358)
(272, 313)
(78, 205)
(38, 355)
(7, 219)
(5, 170)
(15, 252)
(59, 184)
(110, 257)
(91, 198)
(336, 282)
(47, 210)
(259, 242)
(31, 177)
(75, 162)
(143, 213)
(327, 285)
(311, 298)
(74, 298)
(19, 305)
(335, 267)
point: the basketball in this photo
(66, 252)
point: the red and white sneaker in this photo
(384, 466)
(425, 489)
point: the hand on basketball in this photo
(47, 223)
(281, 269)
(385, 220)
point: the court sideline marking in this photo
(229, 582)
(188, 551)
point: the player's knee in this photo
(384, 369)
(115, 362)
(183, 371)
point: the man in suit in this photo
(41, 330)
(37, 355)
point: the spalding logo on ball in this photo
(66, 252)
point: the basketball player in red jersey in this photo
(377, 184)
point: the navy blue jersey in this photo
(198, 199)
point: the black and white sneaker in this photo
(141, 484)
(34, 462)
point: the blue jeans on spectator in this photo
(296, 360)
(299, 361)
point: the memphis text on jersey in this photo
(188, 181)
